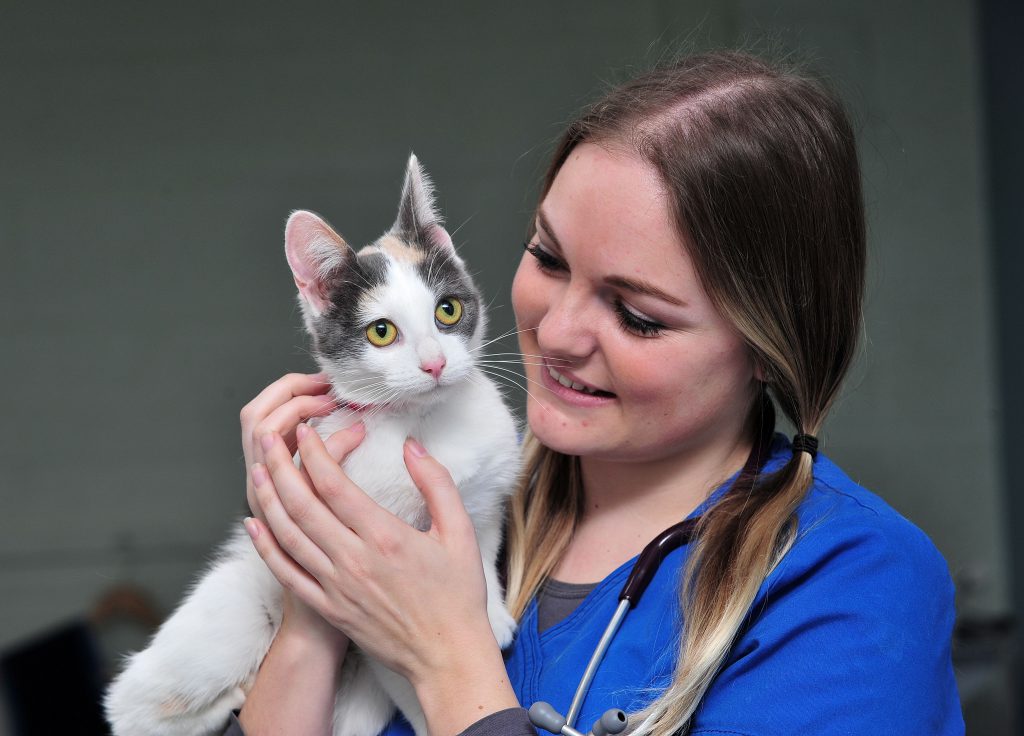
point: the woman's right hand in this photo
(279, 408)
(307, 651)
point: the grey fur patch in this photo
(417, 214)
(339, 333)
(446, 276)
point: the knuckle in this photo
(301, 512)
(439, 475)
(331, 489)
(264, 495)
(289, 539)
(357, 568)
(288, 583)
(387, 544)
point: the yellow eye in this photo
(449, 311)
(382, 333)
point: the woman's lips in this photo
(572, 390)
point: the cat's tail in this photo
(200, 664)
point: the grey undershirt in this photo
(555, 601)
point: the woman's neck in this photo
(628, 503)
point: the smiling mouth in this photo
(575, 385)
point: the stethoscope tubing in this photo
(595, 661)
(640, 576)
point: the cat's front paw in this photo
(502, 623)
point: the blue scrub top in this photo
(850, 634)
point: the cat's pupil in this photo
(382, 329)
(448, 308)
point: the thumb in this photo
(444, 504)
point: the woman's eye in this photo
(448, 311)
(545, 260)
(382, 333)
(635, 323)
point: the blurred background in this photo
(150, 153)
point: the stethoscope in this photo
(613, 721)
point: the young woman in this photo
(697, 260)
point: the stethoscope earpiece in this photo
(613, 721)
(543, 715)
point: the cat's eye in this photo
(448, 311)
(382, 333)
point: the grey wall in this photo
(150, 155)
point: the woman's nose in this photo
(566, 330)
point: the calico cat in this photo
(398, 327)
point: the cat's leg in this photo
(362, 707)
(401, 693)
(502, 623)
(201, 662)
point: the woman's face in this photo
(607, 301)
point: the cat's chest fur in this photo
(470, 433)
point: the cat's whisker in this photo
(542, 358)
(510, 358)
(518, 385)
(502, 336)
(509, 361)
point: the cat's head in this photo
(398, 322)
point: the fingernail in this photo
(250, 526)
(357, 428)
(259, 474)
(301, 431)
(416, 448)
(267, 441)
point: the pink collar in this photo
(359, 408)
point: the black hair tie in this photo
(805, 443)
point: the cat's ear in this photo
(418, 222)
(317, 256)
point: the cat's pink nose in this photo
(433, 367)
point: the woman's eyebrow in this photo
(637, 286)
(643, 287)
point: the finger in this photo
(291, 576)
(342, 442)
(300, 500)
(283, 421)
(286, 417)
(345, 499)
(285, 388)
(276, 394)
(444, 504)
(287, 533)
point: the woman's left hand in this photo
(414, 600)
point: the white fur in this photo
(204, 658)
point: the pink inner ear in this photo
(440, 236)
(304, 231)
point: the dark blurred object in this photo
(54, 684)
(984, 648)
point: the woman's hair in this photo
(760, 166)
